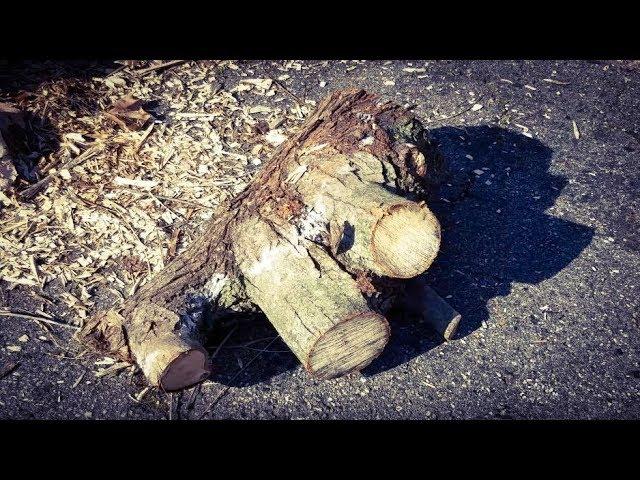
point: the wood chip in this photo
(112, 370)
(576, 132)
(275, 137)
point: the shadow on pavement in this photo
(494, 230)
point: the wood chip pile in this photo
(132, 182)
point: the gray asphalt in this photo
(540, 254)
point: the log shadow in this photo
(494, 231)
(249, 352)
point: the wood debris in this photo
(554, 81)
(106, 210)
(10, 118)
(576, 132)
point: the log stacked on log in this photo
(312, 241)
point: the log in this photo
(396, 237)
(316, 307)
(306, 241)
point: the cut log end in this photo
(422, 300)
(189, 368)
(452, 328)
(405, 240)
(349, 346)
(171, 362)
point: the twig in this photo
(252, 342)
(224, 340)
(38, 318)
(263, 351)
(33, 190)
(287, 91)
(144, 71)
(160, 197)
(221, 394)
(113, 72)
(8, 368)
(145, 135)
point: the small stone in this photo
(14, 348)
(24, 338)
(478, 172)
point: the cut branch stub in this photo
(329, 209)
(421, 300)
(376, 229)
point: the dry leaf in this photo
(128, 112)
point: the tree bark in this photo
(307, 241)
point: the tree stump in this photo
(312, 242)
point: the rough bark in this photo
(327, 214)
